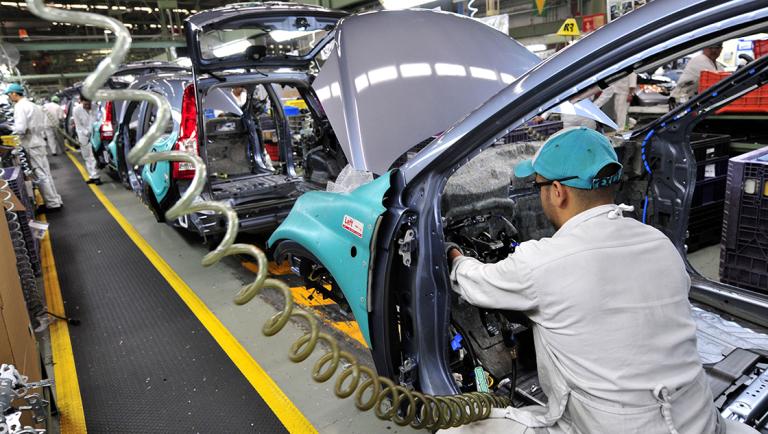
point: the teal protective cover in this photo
(158, 175)
(338, 228)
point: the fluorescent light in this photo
(408, 70)
(361, 82)
(485, 74)
(79, 60)
(287, 35)
(536, 47)
(379, 75)
(403, 4)
(450, 69)
(231, 48)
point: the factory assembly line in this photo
(440, 226)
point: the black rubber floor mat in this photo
(145, 363)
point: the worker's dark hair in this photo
(604, 193)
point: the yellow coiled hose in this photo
(389, 400)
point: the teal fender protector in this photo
(158, 175)
(338, 229)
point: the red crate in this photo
(760, 48)
(273, 151)
(753, 102)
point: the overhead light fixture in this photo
(78, 60)
(403, 4)
(287, 35)
(231, 48)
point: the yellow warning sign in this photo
(569, 28)
(540, 6)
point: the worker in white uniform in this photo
(608, 300)
(622, 92)
(54, 115)
(688, 83)
(85, 116)
(29, 125)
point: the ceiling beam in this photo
(84, 46)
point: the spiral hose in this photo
(26, 271)
(388, 400)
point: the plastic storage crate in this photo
(753, 102)
(744, 240)
(705, 216)
(760, 48)
(15, 179)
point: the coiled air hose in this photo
(389, 400)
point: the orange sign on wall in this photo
(590, 23)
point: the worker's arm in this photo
(20, 118)
(81, 122)
(504, 285)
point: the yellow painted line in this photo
(70, 147)
(279, 270)
(351, 329)
(293, 420)
(71, 415)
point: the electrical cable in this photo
(388, 400)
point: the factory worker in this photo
(54, 115)
(85, 116)
(29, 124)
(622, 92)
(688, 83)
(608, 300)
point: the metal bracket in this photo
(407, 246)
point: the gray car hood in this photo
(396, 78)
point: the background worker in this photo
(29, 125)
(608, 298)
(622, 92)
(688, 83)
(85, 116)
(54, 115)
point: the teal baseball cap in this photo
(575, 155)
(14, 88)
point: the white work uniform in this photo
(688, 83)
(54, 115)
(615, 340)
(620, 91)
(84, 120)
(29, 125)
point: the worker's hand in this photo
(672, 103)
(452, 251)
(630, 96)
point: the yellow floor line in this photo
(71, 415)
(293, 420)
(351, 329)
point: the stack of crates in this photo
(753, 102)
(15, 178)
(706, 213)
(744, 242)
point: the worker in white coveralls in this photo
(54, 115)
(85, 116)
(688, 83)
(608, 299)
(622, 92)
(29, 125)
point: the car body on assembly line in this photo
(248, 110)
(380, 247)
